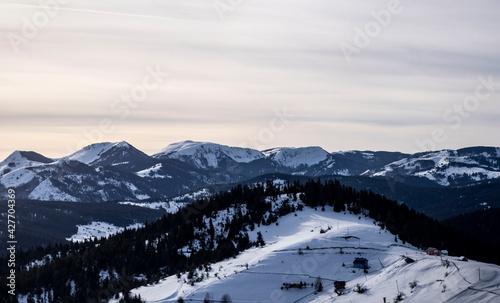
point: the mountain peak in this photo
(295, 157)
(206, 154)
(187, 147)
(22, 159)
(27, 155)
(93, 153)
(122, 144)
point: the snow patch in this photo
(18, 177)
(170, 207)
(46, 191)
(205, 154)
(93, 152)
(295, 157)
(152, 172)
(97, 230)
(189, 197)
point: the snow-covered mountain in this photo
(118, 171)
(297, 157)
(74, 181)
(115, 154)
(447, 167)
(96, 173)
(19, 159)
(206, 155)
(315, 243)
(92, 153)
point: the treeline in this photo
(98, 270)
(484, 224)
(410, 226)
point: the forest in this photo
(95, 271)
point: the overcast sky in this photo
(379, 75)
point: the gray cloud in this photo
(227, 78)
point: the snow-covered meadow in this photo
(324, 243)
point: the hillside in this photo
(483, 224)
(296, 251)
(266, 222)
(48, 223)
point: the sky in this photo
(365, 75)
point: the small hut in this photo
(339, 284)
(431, 251)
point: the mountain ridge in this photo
(116, 171)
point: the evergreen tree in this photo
(208, 298)
(318, 284)
(226, 299)
(260, 239)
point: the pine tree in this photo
(318, 284)
(260, 239)
(226, 299)
(208, 298)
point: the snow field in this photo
(97, 230)
(349, 236)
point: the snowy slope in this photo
(17, 178)
(324, 255)
(91, 153)
(74, 181)
(96, 152)
(97, 230)
(446, 167)
(295, 157)
(152, 172)
(46, 191)
(170, 207)
(11, 169)
(207, 155)
(19, 159)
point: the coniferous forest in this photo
(186, 240)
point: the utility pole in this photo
(479, 271)
(381, 263)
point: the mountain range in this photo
(120, 172)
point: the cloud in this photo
(226, 78)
